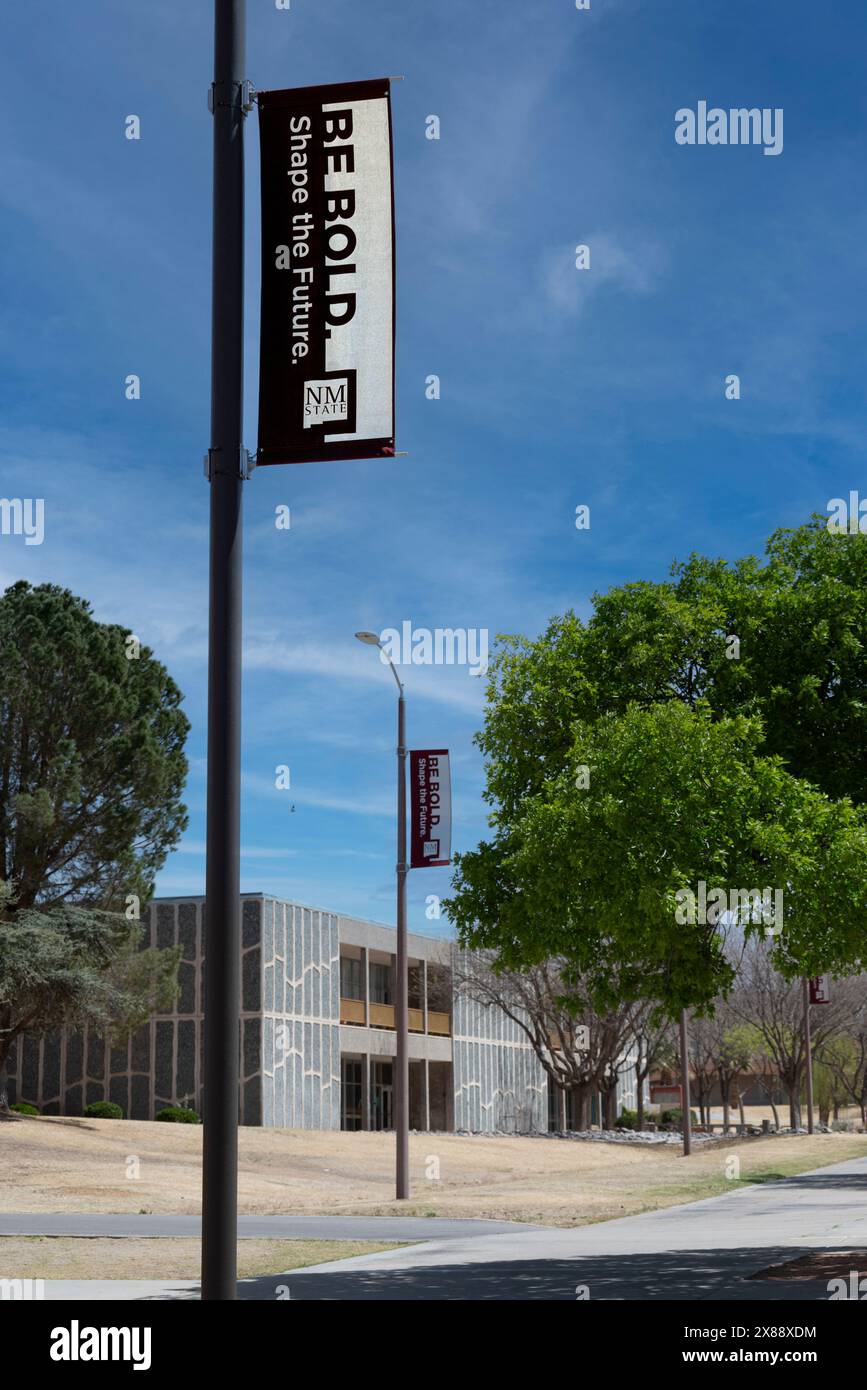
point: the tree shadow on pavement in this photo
(825, 1181)
(689, 1275)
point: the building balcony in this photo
(352, 1011)
(383, 1016)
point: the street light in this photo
(401, 1080)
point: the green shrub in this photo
(675, 1117)
(178, 1115)
(23, 1108)
(627, 1119)
(103, 1110)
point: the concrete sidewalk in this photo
(153, 1226)
(704, 1250)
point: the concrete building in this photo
(317, 1034)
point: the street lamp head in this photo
(371, 639)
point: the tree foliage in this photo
(641, 752)
(91, 772)
(91, 754)
(71, 967)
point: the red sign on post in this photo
(431, 807)
(666, 1095)
(820, 989)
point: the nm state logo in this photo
(326, 402)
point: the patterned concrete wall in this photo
(162, 1063)
(626, 1092)
(301, 1017)
(499, 1082)
(290, 1036)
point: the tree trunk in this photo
(639, 1098)
(4, 1078)
(609, 1106)
(582, 1107)
(725, 1101)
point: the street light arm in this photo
(370, 639)
(396, 676)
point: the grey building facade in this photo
(317, 1042)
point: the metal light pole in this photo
(401, 1080)
(809, 1046)
(226, 467)
(684, 1081)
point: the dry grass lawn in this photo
(49, 1257)
(61, 1164)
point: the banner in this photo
(326, 352)
(430, 837)
(820, 989)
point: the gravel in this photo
(644, 1136)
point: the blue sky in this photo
(559, 387)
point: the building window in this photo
(351, 1116)
(380, 984)
(351, 978)
(382, 1098)
(415, 983)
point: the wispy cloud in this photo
(615, 265)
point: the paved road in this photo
(255, 1227)
(705, 1250)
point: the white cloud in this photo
(615, 264)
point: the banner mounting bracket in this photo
(246, 463)
(247, 96)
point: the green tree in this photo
(801, 619)
(591, 873)
(646, 750)
(71, 966)
(92, 768)
(92, 759)
(801, 663)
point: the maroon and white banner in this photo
(326, 360)
(820, 989)
(430, 794)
